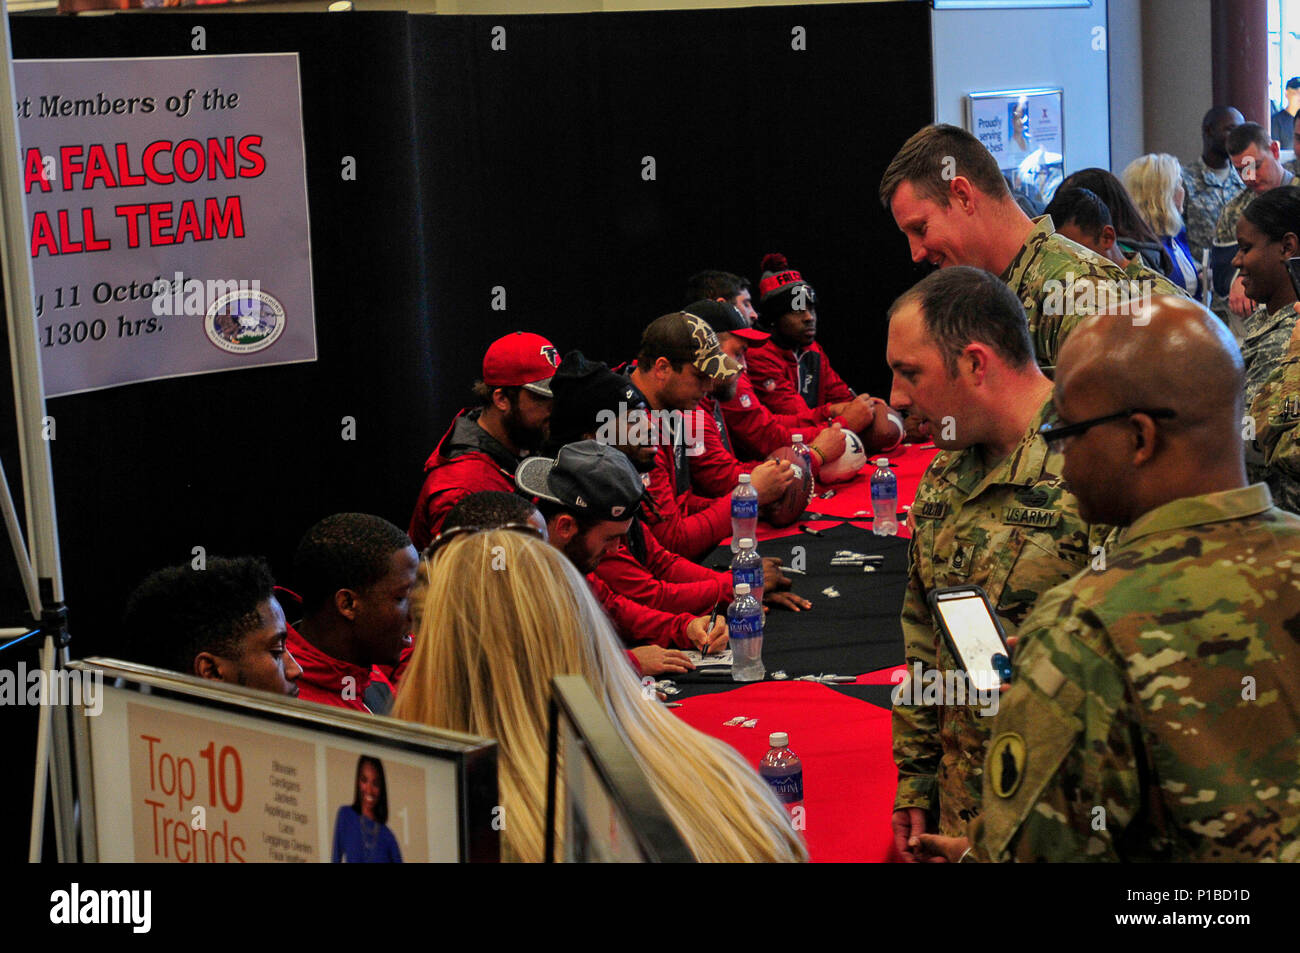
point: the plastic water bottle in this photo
(745, 625)
(744, 512)
(804, 451)
(884, 500)
(747, 567)
(782, 769)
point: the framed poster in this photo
(176, 769)
(1024, 130)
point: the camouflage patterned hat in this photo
(682, 337)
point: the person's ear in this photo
(207, 665)
(1290, 245)
(962, 194)
(977, 358)
(500, 400)
(1107, 238)
(1275, 149)
(563, 529)
(345, 603)
(1144, 438)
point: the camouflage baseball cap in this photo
(682, 337)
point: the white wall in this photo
(981, 50)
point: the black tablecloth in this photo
(857, 632)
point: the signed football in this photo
(797, 496)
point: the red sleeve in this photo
(773, 375)
(671, 584)
(639, 624)
(714, 471)
(689, 534)
(755, 431)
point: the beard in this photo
(523, 436)
(579, 556)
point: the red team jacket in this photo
(323, 676)
(663, 581)
(685, 523)
(774, 373)
(468, 460)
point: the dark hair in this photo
(178, 612)
(344, 551)
(961, 304)
(1275, 213)
(713, 284)
(665, 336)
(1080, 207)
(381, 805)
(1124, 215)
(483, 393)
(924, 161)
(1247, 134)
(1292, 83)
(489, 508)
(551, 509)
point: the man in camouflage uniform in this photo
(1081, 216)
(1153, 710)
(1255, 156)
(992, 510)
(949, 198)
(1211, 180)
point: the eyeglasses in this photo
(1054, 430)
(447, 535)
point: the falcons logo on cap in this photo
(552, 355)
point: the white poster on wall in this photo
(167, 216)
(1024, 132)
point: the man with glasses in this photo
(1152, 713)
(992, 510)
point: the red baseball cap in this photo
(523, 360)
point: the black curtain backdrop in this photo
(476, 169)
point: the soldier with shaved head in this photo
(1154, 710)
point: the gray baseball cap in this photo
(586, 476)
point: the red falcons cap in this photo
(523, 360)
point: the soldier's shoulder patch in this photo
(1006, 764)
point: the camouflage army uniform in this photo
(1264, 349)
(1275, 411)
(1015, 531)
(1154, 713)
(1059, 283)
(1139, 271)
(1204, 201)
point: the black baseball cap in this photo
(725, 319)
(587, 477)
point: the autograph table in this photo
(842, 732)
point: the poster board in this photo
(1024, 130)
(176, 769)
(166, 214)
(607, 811)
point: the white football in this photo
(847, 466)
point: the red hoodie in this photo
(640, 625)
(687, 524)
(755, 431)
(325, 679)
(774, 372)
(468, 459)
(663, 580)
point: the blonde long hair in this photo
(503, 615)
(1152, 181)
